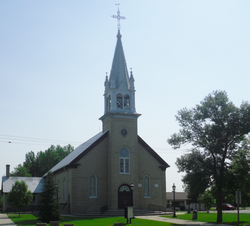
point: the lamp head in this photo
(132, 186)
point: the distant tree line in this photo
(36, 165)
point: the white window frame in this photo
(146, 187)
(124, 162)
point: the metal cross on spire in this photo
(118, 17)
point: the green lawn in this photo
(228, 218)
(31, 220)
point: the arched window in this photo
(127, 102)
(92, 186)
(124, 161)
(64, 190)
(119, 102)
(146, 186)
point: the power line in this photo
(45, 142)
(31, 140)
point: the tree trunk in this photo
(219, 204)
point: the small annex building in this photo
(35, 185)
(181, 200)
(116, 167)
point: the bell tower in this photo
(120, 120)
(119, 95)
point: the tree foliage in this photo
(207, 199)
(198, 173)
(238, 177)
(20, 171)
(39, 164)
(215, 128)
(49, 200)
(19, 196)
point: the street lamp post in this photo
(132, 189)
(129, 214)
(189, 201)
(174, 187)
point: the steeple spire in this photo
(119, 91)
(119, 70)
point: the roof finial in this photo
(118, 17)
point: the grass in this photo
(228, 218)
(31, 220)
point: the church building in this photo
(116, 167)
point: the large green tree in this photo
(19, 196)
(49, 211)
(215, 128)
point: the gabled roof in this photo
(163, 164)
(35, 184)
(86, 147)
(79, 152)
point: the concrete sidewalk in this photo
(177, 221)
(5, 220)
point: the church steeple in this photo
(119, 92)
(119, 67)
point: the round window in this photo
(124, 132)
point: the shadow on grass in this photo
(65, 219)
(235, 222)
(18, 220)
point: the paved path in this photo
(5, 220)
(177, 221)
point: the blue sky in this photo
(54, 56)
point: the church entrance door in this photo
(125, 196)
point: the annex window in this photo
(119, 101)
(92, 186)
(124, 161)
(34, 199)
(146, 186)
(127, 102)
